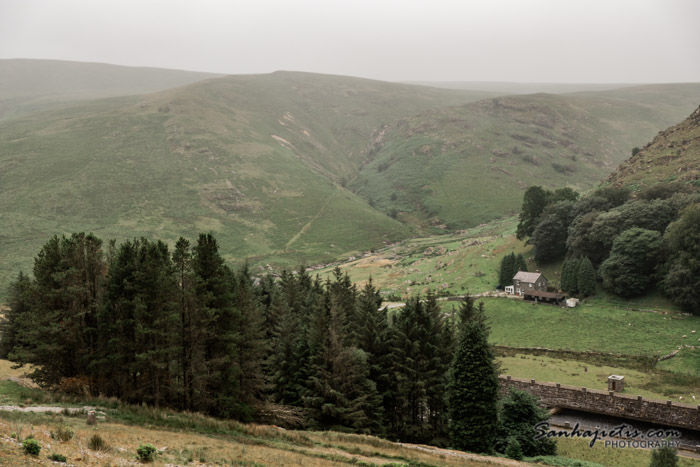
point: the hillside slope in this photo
(27, 84)
(673, 155)
(259, 160)
(461, 166)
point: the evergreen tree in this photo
(374, 336)
(411, 373)
(473, 384)
(520, 264)
(569, 275)
(191, 335)
(508, 264)
(518, 415)
(59, 327)
(13, 324)
(586, 277)
(250, 348)
(214, 293)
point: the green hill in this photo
(673, 155)
(260, 160)
(461, 166)
(27, 85)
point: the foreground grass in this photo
(207, 441)
(617, 457)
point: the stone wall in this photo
(609, 403)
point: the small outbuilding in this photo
(528, 282)
(616, 383)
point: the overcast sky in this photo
(571, 41)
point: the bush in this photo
(513, 450)
(664, 457)
(63, 434)
(57, 458)
(96, 443)
(146, 452)
(31, 446)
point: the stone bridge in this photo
(609, 403)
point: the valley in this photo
(260, 225)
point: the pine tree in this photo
(250, 345)
(586, 277)
(518, 415)
(473, 384)
(520, 264)
(214, 281)
(569, 275)
(374, 339)
(13, 324)
(505, 276)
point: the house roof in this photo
(527, 276)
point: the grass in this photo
(450, 264)
(617, 457)
(649, 384)
(588, 327)
(209, 441)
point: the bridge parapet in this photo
(609, 403)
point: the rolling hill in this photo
(292, 167)
(673, 155)
(460, 166)
(259, 160)
(27, 85)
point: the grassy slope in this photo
(673, 155)
(259, 160)
(461, 166)
(27, 85)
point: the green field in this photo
(588, 327)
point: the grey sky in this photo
(405, 40)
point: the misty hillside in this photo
(27, 85)
(460, 166)
(673, 155)
(297, 167)
(259, 160)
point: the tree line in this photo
(631, 242)
(179, 328)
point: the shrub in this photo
(513, 450)
(664, 457)
(58, 458)
(146, 452)
(31, 446)
(96, 443)
(63, 434)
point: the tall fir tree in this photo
(214, 292)
(520, 264)
(505, 276)
(473, 384)
(586, 277)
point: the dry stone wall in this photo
(609, 403)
